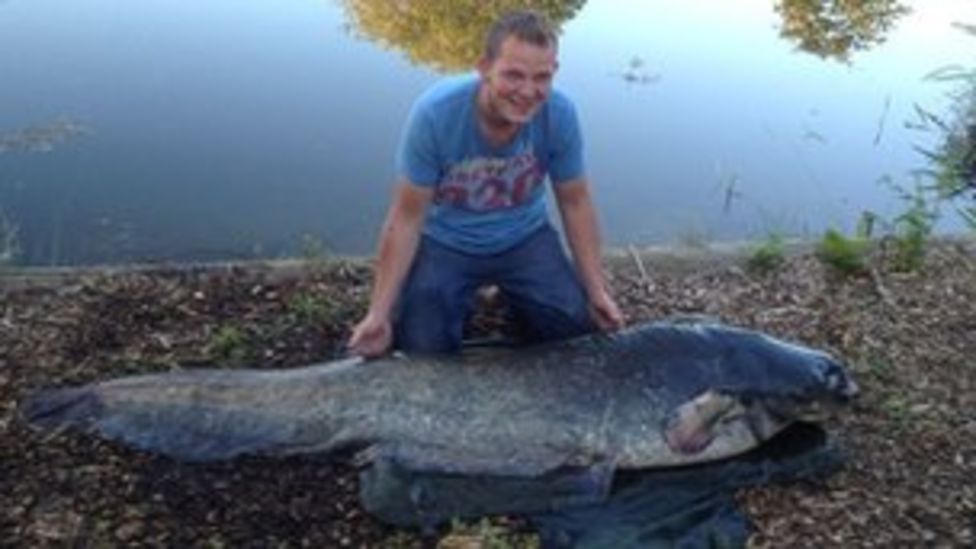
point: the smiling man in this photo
(469, 208)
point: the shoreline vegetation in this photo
(676, 257)
(908, 335)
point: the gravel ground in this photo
(908, 337)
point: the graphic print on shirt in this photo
(486, 184)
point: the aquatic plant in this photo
(846, 255)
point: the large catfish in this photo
(653, 395)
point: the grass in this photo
(846, 255)
(898, 410)
(881, 368)
(768, 256)
(314, 249)
(486, 534)
(310, 309)
(228, 345)
(913, 227)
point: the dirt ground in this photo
(909, 338)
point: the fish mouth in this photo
(810, 407)
(693, 426)
(833, 387)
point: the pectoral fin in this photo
(451, 460)
(691, 427)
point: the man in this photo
(469, 208)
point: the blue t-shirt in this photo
(486, 199)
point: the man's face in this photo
(518, 80)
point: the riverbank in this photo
(667, 256)
(908, 337)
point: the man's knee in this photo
(429, 320)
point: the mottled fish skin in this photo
(653, 395)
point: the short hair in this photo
(527, 25)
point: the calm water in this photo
(185, 130)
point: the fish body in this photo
(653, 395)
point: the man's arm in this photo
(583, 235)
(398, 241)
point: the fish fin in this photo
(451, 460)
(55, 408)
(182, 432)
(690, 428)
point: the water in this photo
(227, 129)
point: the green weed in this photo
(310, 309)
(897, 410)
(487, 535)
(881, 368)
(913, 228)
(866, 224)
(228, 345)
(767, 256)
(846, 255)
(968, 215)
(314, 249)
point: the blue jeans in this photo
(535, 277)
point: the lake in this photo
(186, 130)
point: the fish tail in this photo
(53, 408)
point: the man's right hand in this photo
(372, 337)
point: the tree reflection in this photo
(833, 29)
(447, 36)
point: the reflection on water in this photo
(446, 36)
(637, 73)
(833, 29)
(42, 138)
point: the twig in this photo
(645, 278)
(881, 289)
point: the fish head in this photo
(737, 386)
(767, 384)
(789, 380)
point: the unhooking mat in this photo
(686, 507)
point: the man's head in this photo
(518, 66)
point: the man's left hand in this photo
(605, 312)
